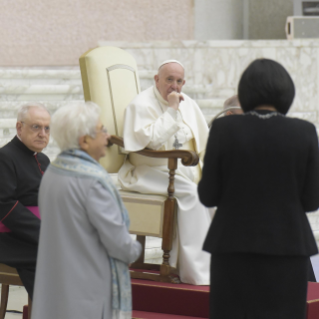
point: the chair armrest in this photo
(189, 158)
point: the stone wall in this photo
(46, 32)
(267, 19)
(55, 33)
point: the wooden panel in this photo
(7, 269)
(10, 279)
(146, 215)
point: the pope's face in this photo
(34, 129)
(170, 78)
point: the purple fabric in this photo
(35, 211)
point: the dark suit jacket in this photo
(263, 175)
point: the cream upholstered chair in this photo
(110, 79)
(9, 276)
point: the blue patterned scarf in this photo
(79, 163)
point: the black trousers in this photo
(252, 286)
(19, 248)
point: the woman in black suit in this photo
(261, 170)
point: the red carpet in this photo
(154, 300)
(175, 299)
(161, 300)
(313, 300)
(151, 315)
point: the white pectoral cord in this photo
(177, 145)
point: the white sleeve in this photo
(164, 128)
(106, 217)
(144, 128)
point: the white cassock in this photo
(149, 122)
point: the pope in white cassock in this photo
(163, 118)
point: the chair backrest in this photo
(110, 79)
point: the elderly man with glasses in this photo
(21, 168)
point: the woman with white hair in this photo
(85, 246)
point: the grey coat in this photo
(81, 226)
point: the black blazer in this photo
(263, 175)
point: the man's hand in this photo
(174, 98)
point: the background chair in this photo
(9, 276)
(110, 79)
(230, 108)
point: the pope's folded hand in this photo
(174, 98)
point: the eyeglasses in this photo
(102, 130)
(38, 128)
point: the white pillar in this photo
(218, 19)
(297, 7)
(242, 19)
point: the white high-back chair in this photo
(110, 79)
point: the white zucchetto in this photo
(170, 61)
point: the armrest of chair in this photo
(189, 158)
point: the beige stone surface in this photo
(46, 32)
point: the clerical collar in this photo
(17, 141)
(159, 96)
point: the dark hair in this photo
(266, 82)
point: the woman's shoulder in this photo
(300, 125)
(240, 124)
(301, 122)
(247, 117)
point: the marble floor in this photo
(18, 296)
